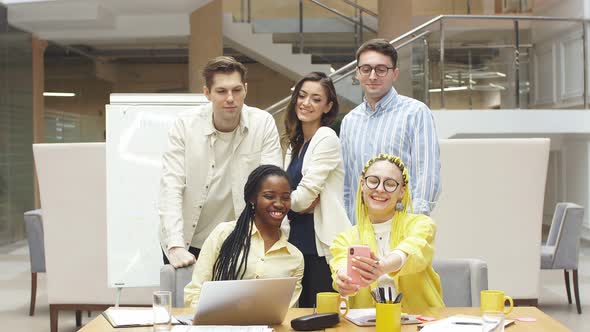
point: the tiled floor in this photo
(15, 279)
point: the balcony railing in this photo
(486, 62)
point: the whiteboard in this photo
(136, 137)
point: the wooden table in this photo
(544, 323)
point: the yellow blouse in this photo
(281, 260)
(417, 280)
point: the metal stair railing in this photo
(422, 32)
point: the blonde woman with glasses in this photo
(401, 243)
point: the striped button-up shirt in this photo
(400, 126)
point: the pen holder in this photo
(388, 317)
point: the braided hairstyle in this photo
(232, 260)
(362, 212)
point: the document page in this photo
(458, 323)
(120, 317)
(222, 328)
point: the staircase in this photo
(260, 47)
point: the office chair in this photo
(562, 249)
(462, 280)
(34, 228)
(174, 280)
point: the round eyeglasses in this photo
(380, 70)
(389, 185)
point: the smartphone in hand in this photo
(356, 250)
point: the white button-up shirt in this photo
(188, 165)
(281, 260)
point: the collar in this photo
(281, 243)
(384, 104)
(209, 128)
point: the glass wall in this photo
(16, 130)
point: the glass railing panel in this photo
(477, 71)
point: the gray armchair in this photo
(562, 249)
(34, 229)
(174, 280)
(462, 280)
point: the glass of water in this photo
(162, 307)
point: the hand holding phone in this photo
(356, 250)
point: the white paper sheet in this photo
(132, 316)
(221, 328)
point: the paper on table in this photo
(222, 328)
(120, 317)
(449, 324)
(366, 317)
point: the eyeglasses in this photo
(389, 185)
(380, 70)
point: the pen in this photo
(382, 294)
(390, 295)
(374, 296)
(467, 323)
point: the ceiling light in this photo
(16, 2)
(58, 94)
(451, 88)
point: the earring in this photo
(252, 207)
(399, 206)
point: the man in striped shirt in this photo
(387, 122)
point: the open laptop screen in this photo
(245, 302)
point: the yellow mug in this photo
(330, 302)
(495, 300)
(388, 317)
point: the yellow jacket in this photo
(417, 280)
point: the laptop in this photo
(245, 302)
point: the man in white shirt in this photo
(210, 153)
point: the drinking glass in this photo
(162, 307)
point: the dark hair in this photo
(378, 45)
(222, 64)
(293, 132)
(230, 265)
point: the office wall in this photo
(150, 78)
(93, 84)
(266, 86)
(16, 130)
(557, 56)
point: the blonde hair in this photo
(362, 212)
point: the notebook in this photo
(131, 317)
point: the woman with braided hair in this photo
(253, 246)
(402, 243)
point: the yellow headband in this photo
(392, 159)
(362, 213)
